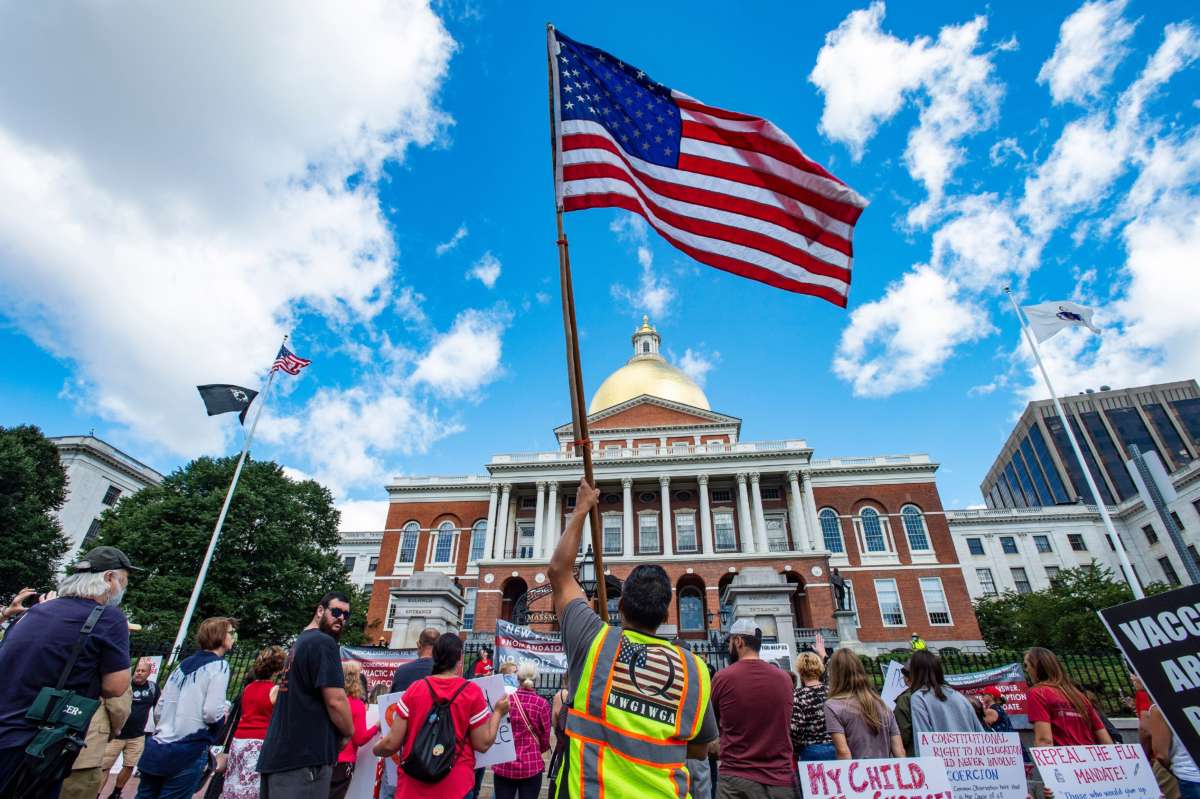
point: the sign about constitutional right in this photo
(891, 778)
(1096, 772)
(1160, 635)
(979, 765)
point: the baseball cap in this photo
(745, 627)
(102, 559)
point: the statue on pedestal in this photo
(839, 589)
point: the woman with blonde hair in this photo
(258, 703)
(530, 720)
(343, 769)
(1061, 715)
(859, 723)
(810, 738)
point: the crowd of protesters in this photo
(296, 728)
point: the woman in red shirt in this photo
(474, 724)
(258, 702)
(343, 770)
(530, 721)
(1061, 715)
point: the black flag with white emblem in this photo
(224, 398)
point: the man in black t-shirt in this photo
(408, 673)
(311, 722)
(131, 741)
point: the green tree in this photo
(275, 559)
(1062, 617)
(33, 484)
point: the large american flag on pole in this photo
(729, 189)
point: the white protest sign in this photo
(893, 684)
(892, 778)
(362, 784)
(979, 765)
(503, 750)
(1096, 772)
(778, 653)
(388, 711)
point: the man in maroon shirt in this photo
(753, 701)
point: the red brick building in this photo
(679, 487)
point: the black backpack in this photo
(435, 748)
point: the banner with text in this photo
(899, 778)
(1096, 772)
(778, 653)
(520, 644)
(1007, 680)
(378, 664)
(979, 765)
(1161, 636)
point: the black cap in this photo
(102, 559)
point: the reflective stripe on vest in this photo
(655, 753)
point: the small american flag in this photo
(289, 362)
(730, 190)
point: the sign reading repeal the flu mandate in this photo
(1096, 772)
(891, 778)
(979, 765)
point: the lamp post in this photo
(725, 614)
(585, 574)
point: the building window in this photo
(683, 496)
(1178, 522)
(722, 495)
(769, 493)
(1195, 555)
(723, 529)
(889, 603)
(408, 542)
(935, 600)
(1132, 431)
(478, 540)
(1110, 456)
(1151, 536)
(1042, 542)
(685, 532)
(1052, 574)
(1168, 571)
(1168, 433)
(872, 530)
(368, 589)
(393, 606)
(1189, 414)
(914, 528)
(1047, 463)
(987, 583)
(679, 448)
(831, 530)
(92, 534)
(348, 563)
(691, 610)
(647, 496)
(444, 547)
(975, 546)
(570, 503)
(1111, 545)
(111, 496)
(613, 531)
(468, 619)
(647, 450)
(373, 563)
(528, 503)
(612, 450)
(1008, 545)
(777, 537)
(1077, 542)
(715, 446)
(525, 542)
(648, 533)
(1021, 580)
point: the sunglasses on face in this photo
(338, 613)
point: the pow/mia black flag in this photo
(224, 398)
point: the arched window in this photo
(831, 530)
(914, 528)
(645, 346)
(408, 542)
(872, 530)
(445, 542)
(478, 539)
(691, 610)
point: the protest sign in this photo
(979, 765)
(898, 778)
(893, 684)
(378, 663)
(520, 645)
(362, 784)
(1008, 680)
(504, 749)
(778, 653)
(388, 713)
(1160, 635)
(1096, 772)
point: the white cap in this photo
(745, 627)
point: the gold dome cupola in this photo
(647, 373)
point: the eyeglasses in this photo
(338, 613)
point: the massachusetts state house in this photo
(679, 487)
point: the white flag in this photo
(1047, 318)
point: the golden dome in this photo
(647, 373)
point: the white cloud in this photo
(187, 190)
(1000, 152)
(982, 246)
(866, 74)
(452, 242)
(363, 515)
(467, 357)
(1091, 44)
(696, 364)
(486, 270)
(901, 341)
(542, 297)
(654, 293)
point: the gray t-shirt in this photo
(843, 715)
(579, 625)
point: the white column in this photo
(627, 518)
(706, 531)
(745, 527)
(816, 537)
(539, 521)
(551, 520)
(667, 549)
(796, 512)
(760, 523)
(501, 522)
(491, 519)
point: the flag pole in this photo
(579, 423)
(1118, 545)
(216, 533)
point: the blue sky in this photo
(378, 182)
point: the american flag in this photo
(289, 362)
(730, 190)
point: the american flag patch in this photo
(647, 681)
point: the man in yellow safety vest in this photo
(639, 706)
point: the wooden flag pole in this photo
(579, 423)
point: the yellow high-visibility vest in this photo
(638, 702)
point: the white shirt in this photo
(191, 702)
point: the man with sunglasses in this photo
(312, 721)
